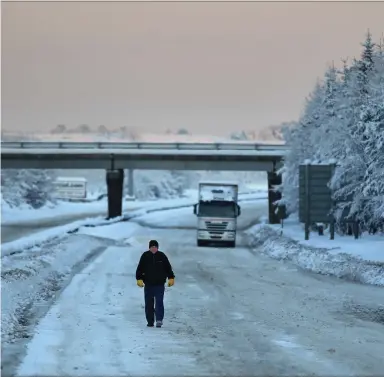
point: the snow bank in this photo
(29, 280)
(58, 232)
(180, 218)
(18, 216)
(120, 231)
(356, 260)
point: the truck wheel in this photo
(200, 243)
(232, 243)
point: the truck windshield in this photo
(217, 209)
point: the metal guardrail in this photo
(168, 146)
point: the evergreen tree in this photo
(343, 120)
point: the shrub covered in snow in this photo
(31, 187)
(343, 121)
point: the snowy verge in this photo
(30, 279)
(355, 260)
(57, 233)
(20, 216)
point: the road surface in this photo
(13, 232)
(231, 312)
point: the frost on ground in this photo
(31, 280)
(336, 261)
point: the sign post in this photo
(315, 197)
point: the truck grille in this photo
(216, 235)
(216, 227)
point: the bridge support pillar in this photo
(273, 179)
(115, 180)
(131, 186)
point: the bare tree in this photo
(59, 129)
(132, 133)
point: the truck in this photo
(217, 211)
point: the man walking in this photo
(151, 273)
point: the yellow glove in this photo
(171, 282)
(140, 283)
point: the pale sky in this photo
(209, 67)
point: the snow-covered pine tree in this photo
(352, 172)
(303, 146)
(33, 187)
(325, 131)
(344, 121)
(374, 142)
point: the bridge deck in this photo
(132, 146)
(167, 156)
(153, 152)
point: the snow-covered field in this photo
(360, 260)
(231, 312)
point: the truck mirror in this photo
(194, 209)
(238, 210)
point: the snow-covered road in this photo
(231, 312)
(13, 232)
(16, 223)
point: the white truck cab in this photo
(217, 212)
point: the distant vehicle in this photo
(70, 188)
(217, 212)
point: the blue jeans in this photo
(154, 293)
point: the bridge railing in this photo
(113, 145)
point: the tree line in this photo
(343, 123)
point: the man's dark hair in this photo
(153, 243)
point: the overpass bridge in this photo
(153, 156)
(115, 157)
